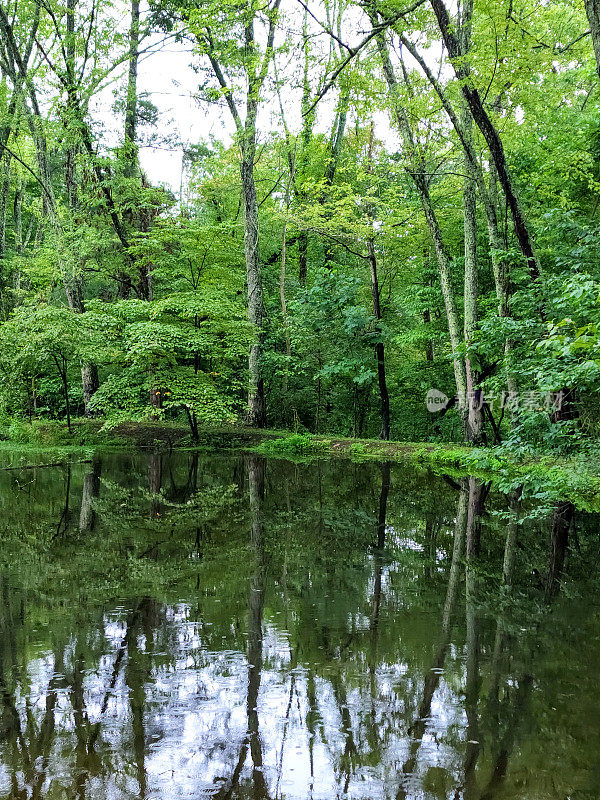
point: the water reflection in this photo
(192, 626)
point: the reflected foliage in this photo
(187, 626)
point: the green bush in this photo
(296, 444)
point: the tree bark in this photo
(448, 294)
(417, 171)
(91, 490)
(475, 420)
(90, 382)
(4, 192)
(256, 72)
(488, 196)
(131, 161)
(18, 214)
(562, 518)
(384, 397)
(73, 284)
(256, 412)
(592, 9)
(490, 134)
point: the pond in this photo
(227, 626)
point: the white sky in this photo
(168, 78)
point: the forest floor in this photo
(542, 476)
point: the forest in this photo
(395, 233)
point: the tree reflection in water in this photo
(193, 626)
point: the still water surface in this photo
(222, 626)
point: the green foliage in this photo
(297, 444)
(101, 268)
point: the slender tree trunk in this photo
(337, 140)
(131, 159)
(472, 686)
(448, 294)
(256, 72)
(90, 382)
(62, 368)
(91, 490)
(18, 213)
(89, 371)
(130, 154)
(73, 284)
(284, 316)
(256, 412)
(256, 480)
(490, 134)
(418, 172)
(475, 423)
(379, 347)
(308, 118)
(125, 281)
(429, 347)
(4, 192)
(488, 197)
(562, 519)
(302, 257)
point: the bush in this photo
(296, 444)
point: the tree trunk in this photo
(73, 284)
(308, 119)
(62, 369)
(473, 682)
(4, 192)
(256, 412)
(131, 161)
(475, 422)
(337, 140)
(490, 134)
(138, 220)
(90, 383)
(448, 294)
(417, 171)
(89, 371)
(592, 9)
(562, 518)
(256, 480)
(91, 490)
(488, 197)
(302, 257)
(379, 347)
(18, 214)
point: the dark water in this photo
(228, 627)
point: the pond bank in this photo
(544, 477)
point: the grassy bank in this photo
(545, 477)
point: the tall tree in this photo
(254, 63)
